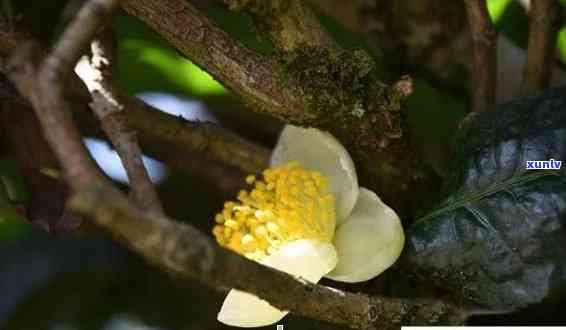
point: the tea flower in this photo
(307, 217)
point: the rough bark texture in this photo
(110, 110)
(156, 128)
(543, 31)
(184, 252)
(247, 73)
(289, 24)
(179, 248)
(324, 87)
(484, 50)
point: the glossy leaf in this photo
(498, 239)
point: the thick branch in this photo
(333, 89)
(289, 24)
(247, 73)
(111, 112)
(543, 31)
(186, 253)
(484, 47)
(44, 92)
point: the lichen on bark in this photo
(344, 95)
(342, 90)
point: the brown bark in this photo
(544, 19)
(289, 24)
(110, 111)
(484, 49)
(180, 249)
(325, 87)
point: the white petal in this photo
(319, 151)
(305, 258)
(369, 242)
(242, 309)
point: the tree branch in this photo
(44, 90)
(332, 89)
(209, 139)
(186, 253)
(112, 115)
(245, 72)
(156, 128)
(484, 46)
(178, 248)
(544, 19)
(48, 194)
(289, 24)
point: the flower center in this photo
(290, 203)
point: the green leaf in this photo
(511, 19)
(433, 114)
(12, 181)
(497, 8)
(562, 45)
(498, 238)
(147, 63)
(12, 191)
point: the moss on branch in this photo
(311, 83)
(342, 90)
(288, 24)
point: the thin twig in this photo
(205, 138)
(484, 46)
(157, 129)
(44, 86)
(544, 19)
(45, 93)
(111, 112)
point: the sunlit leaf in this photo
(511, 19)
(148, 63)
(496, 8)
(562, 45)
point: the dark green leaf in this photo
(12, 191)
(499, 239)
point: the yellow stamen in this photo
(250, 179)
(290, 203)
